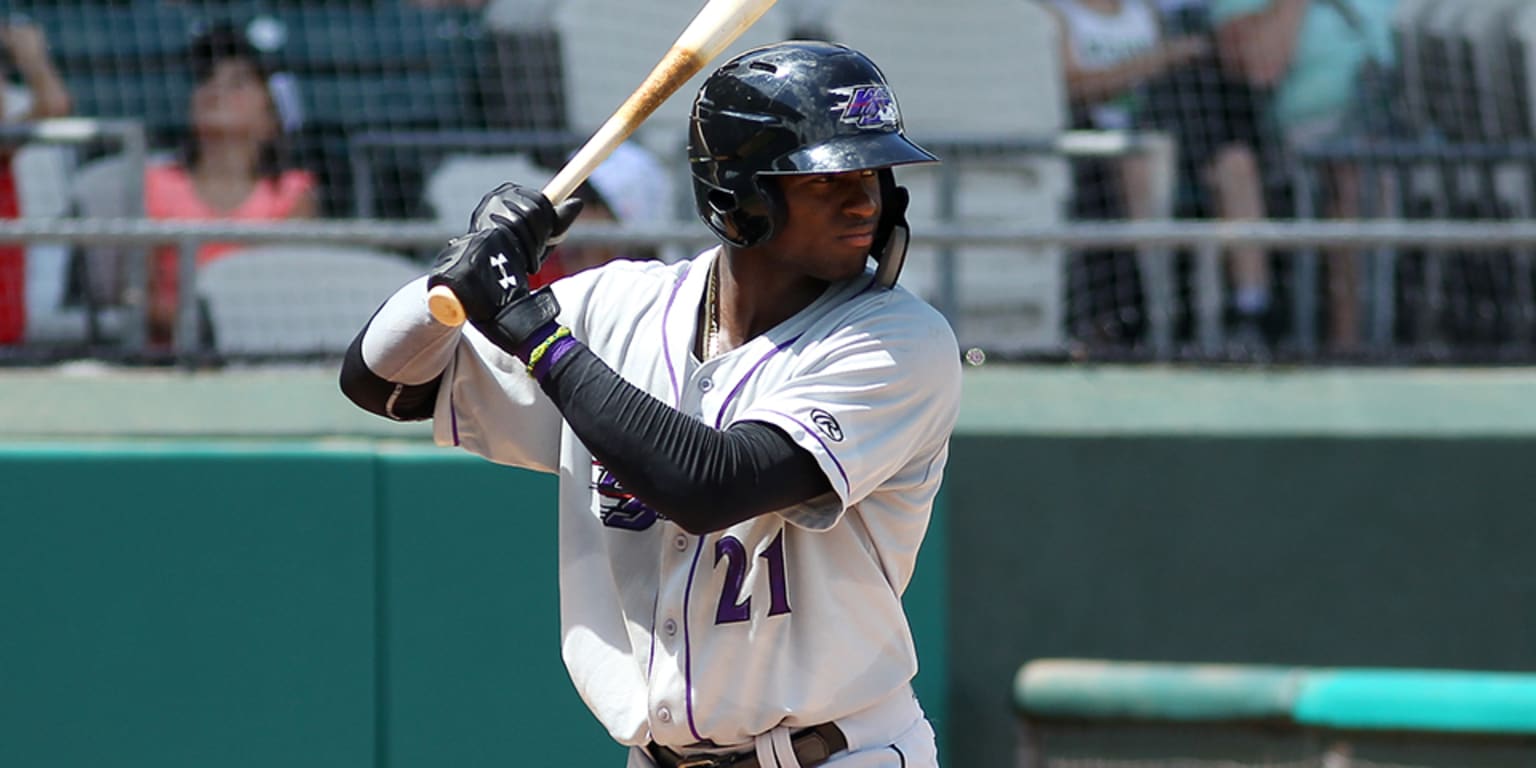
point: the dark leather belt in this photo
(813, 746)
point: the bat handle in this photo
(445, 306)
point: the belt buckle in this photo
(699, 762)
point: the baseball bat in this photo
(716, 26)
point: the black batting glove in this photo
(514, 201)
(488, 268)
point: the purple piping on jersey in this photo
(688, 647)
(666, 346)
(453, 417)
(817, 435)
(655, 604)
(720, 416)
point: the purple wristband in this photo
(552, 355)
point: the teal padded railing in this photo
(1346, 699)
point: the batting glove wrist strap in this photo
(521, 321)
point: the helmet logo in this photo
(867, 106)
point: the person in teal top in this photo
(1316, 49)
(1312, 56)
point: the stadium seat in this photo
(160, 99)
(105, 37)
(1004, 83)
(1485, 28)
(106, 187)
(386, 37)
(1442, 53)
(296, 299)
(608, 47)
(1425, 64)
(51, 185)
(1506, 183)
(455, 186)
(397, 63)
(1407, 40)
(1523, 62)
(395, 100)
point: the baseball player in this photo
(748, 442)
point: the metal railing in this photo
(1421, 179)
(130, 145)
(1156, 242)
(1200, 236)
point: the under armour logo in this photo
(506, 281)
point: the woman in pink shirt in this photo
(232, 167)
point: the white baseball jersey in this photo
(788, 619)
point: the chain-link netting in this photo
(1047, 112)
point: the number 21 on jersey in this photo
(736, 595)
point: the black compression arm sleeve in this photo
(703, 479)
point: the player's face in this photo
(829, 224)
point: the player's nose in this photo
(860, 197)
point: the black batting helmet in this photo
(792, 108)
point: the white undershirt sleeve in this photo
(403, 343)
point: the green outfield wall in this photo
(217, 604)
(238, 568)
(1328, 518)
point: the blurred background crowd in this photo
(1059, 118)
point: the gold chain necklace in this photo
(712, 314)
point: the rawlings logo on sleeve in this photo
(827, 425)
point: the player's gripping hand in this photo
(514, 229)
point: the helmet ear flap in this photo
(722, 202)
(892, 233)
(721, 210)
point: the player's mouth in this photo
(864, 237)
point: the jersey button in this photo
(669, 626)
(663, 714)
(680, 542)
(706, 385)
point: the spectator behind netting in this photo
(1215, 117)
(1324, 63)
(1111, 50)
(30, 89)
(630, 187)
(232, 166)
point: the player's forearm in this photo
(394, 366)
(701, 478)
